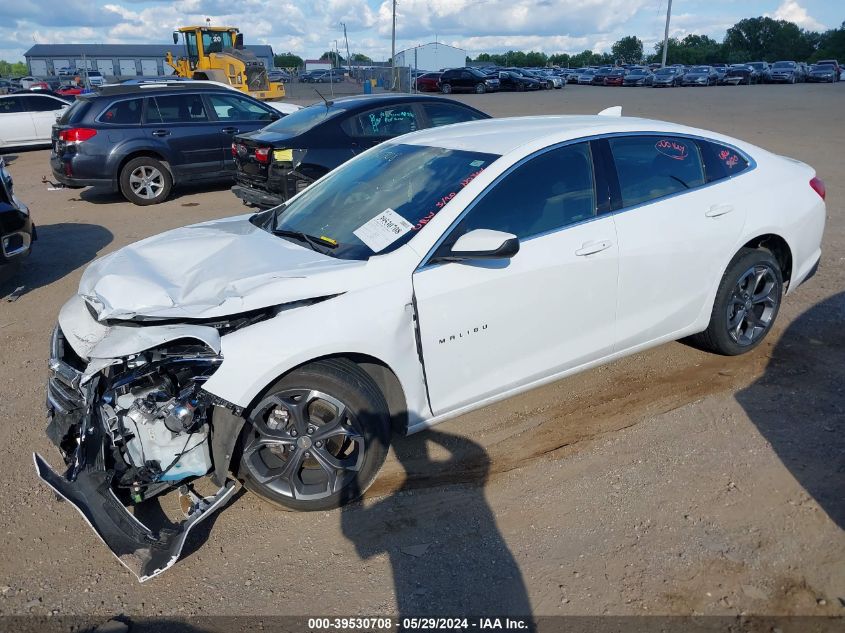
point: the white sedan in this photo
(28, 118)
(436, 273)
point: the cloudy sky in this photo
(309, 27)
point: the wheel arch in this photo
(778, 247)
(380, 372)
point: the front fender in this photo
(377, 322)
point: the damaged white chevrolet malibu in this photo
(434, 274)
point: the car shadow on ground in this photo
(60, 249)
(807, 373)
(98, 195)
(445, 549)
(9, 158)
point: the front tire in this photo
(145, 181)
(446, 89)
(480, 89)
(317, 439)
(746, 305)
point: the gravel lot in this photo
(672, 482)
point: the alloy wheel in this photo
(753, 305)
(305, 444)
(146, 182)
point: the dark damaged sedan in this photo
(16, 229)
(278, 161)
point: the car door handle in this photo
(161, 132)
(589, 248)
(230, 130)
(718, 209)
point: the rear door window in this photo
(446, 114)
(127, 112)
(235, 108)
(185, 108)
(10, 105)
(651, 167)
(385, 122)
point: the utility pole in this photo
(666, 35)
(393, 51)
(348, 56)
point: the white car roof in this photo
(503, 135)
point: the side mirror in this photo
(175, 37)
(482, 244)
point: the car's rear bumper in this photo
(257, 197)
(63, 172)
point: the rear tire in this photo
(317, 439)
(145, 181)
(746, 306)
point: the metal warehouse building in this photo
(433, 56)
(115, 60)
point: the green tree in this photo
(560, 59)
(831, 45)
(288, 60)
(335, 58)
(360, 58)
(769, 40)
(12, 69)
(628, 50)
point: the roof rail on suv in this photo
(119, 89)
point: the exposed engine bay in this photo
(132, 428)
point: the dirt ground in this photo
(671, 482)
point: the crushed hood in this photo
(210, 270)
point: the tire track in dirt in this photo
(549, 422)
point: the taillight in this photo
(262, 154)
(77, 134)
(818, 186)
(234, 149)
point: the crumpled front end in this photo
(128, 412)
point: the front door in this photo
(488, 326)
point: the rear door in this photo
(16, 125)
(192, 140)
(675, 234)
(235, 114)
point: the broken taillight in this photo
(262, 154)
(234, 149)
(77, 134)
(818, 186)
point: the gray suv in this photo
(144, 140)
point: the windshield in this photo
(784, 65)
(665, 71)
(700, 69)
(303, 120)
(757, 65)
(377, 202)
(827, 67)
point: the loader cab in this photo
(203, 41)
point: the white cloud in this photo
(791, 11)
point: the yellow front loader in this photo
(217, 53)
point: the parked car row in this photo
(471, 79)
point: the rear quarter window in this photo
(652, 167)
(76, 112)
(721, 161)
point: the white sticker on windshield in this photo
(384, 229)
(476, 163)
